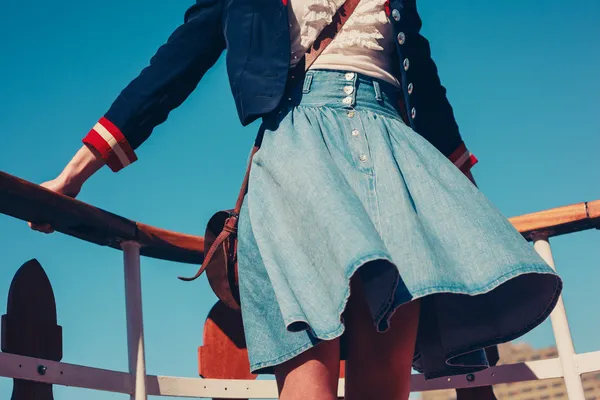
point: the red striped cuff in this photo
(108, 140)
(463, 158)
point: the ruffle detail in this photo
(317, 15)
(361, 30)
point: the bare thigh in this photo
(312, 375)
(379, 365)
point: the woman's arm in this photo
(173, 73)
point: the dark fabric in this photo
(492, 355)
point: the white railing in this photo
(23, 200)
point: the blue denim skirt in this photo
(341, 185)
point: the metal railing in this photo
(30, 202)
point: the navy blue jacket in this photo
(256, 36)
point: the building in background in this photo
(548, 389)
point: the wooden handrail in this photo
(559, 221)
(30, 202)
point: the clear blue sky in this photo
(521, 75)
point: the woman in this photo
(355, 220)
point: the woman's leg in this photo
(312, 375)
(378, 364)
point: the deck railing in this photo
(30, 202)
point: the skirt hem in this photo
(265, 367)
(458, 369)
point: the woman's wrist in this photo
(81, 167)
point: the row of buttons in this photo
(348, 89)
(406, 63)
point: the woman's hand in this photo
(58, 185)
(83, 165)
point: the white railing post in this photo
(562, 332)
(135, 324)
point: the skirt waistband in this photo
(342, 89)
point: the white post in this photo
(562, 333)
(135, 325)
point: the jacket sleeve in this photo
(171, 76)
(434, 116)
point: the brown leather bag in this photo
(220, 240)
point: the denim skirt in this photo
(341, 185)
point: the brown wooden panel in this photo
(223, 354)
(29, 327)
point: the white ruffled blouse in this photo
(364, 45)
